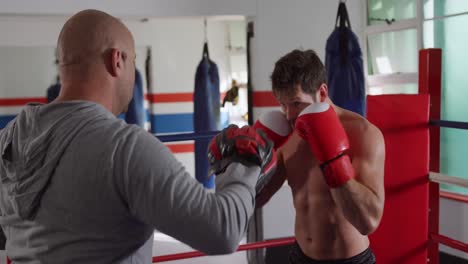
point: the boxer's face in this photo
(292, 104)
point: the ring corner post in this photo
(429, 82)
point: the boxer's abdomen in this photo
(320, 228)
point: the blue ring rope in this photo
(187, 136)
(211, 134)
(449, 124)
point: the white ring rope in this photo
(443, 178)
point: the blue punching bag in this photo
(206, 116)
(136, 113)
(345, 71)
(53, 91)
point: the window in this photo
(445, 27)
(396, 30)
(393, 52)
(441, 8)
(383, 11)
(392, 44)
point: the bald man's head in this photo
(97, 49)
(88, 34)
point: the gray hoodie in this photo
(79, 185)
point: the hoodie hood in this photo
(31, 147)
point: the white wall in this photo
(135, 8)
(177, 45)
(26, 71)
(39, 30)
(30, 31)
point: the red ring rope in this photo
(248, 246)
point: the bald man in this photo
(79, 185)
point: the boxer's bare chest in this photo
(303, 172)
(302, 168)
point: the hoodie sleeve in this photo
(161, 193)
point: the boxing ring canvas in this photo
(402, 236)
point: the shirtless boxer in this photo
(333, 160)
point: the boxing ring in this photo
(409, 230)
(410, 123)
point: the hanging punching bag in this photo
(206, 116)
(343, 61)
(53, 91)
(149, 86)
(136, 113)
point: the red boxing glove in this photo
(319, 125)
(276, 127)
